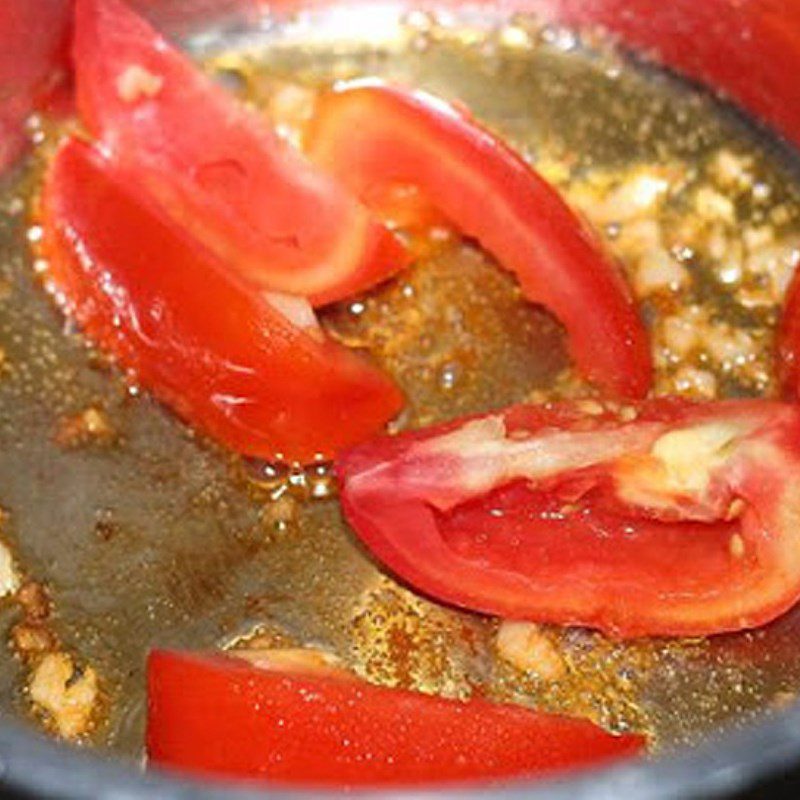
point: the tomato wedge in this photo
(666, 518)
(227, 358)
(217, 169)
(371, 135)
(220, 716)
(789, 341)
(33, 45)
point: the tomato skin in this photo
(33, 46)
(373, 135)
(219, 716)
(469, 526)
(217, 168)
(789, 341)
(213, 349)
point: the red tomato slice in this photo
(789, 341)
(217, 169)
(681, 521)
(373, 135)
(33, 45)
(224, 356)
(220, 716)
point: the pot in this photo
(748, 50)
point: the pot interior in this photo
(141, 533)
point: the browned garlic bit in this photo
(32, 636)
(66, 697)
(527, 648)
(90, 426)
(30, 639)
(9, 575)
(716, 278)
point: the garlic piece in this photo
(526, 647)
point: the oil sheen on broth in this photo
(126, 530)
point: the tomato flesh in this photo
(216, 351)
(217, 169)
(371, 136)
(648, 526)
(220, 716)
